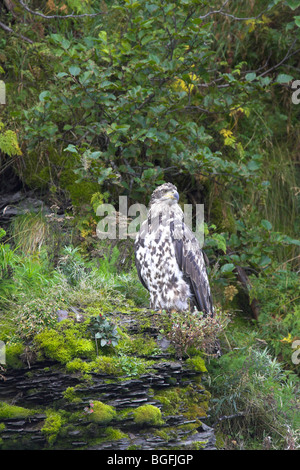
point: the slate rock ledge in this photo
(45, 385)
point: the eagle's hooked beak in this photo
(173, 195)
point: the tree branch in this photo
(49, 17)
(224, 13)
(9, 30)
(286, 57)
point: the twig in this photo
(286, 57)
(49, 17)
(236, 415)
(9, 30)
(224, 13)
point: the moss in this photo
(52, 426)
(80, 192)
(13, 353)
(220, 440)
(148, 414)
(197, 363)
(107, 364)
(102, 413)
(78, 365)
(64, 343)
(198, 445)
(192, 401)
(12, 411)
(170, 399)
(139, 345)
(113, 434)
(121, 366)
(70, 395)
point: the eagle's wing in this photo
(139, 242)
(138, 268)
(191, 262)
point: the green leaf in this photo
(220, 241)
(266, 224)
(284, 78)
(293, 4)
(103, 36)
(44, 96)
(254, 165)
(291, 241)
(265, 81)
(71, 148)
(74, 70)
(250, 76)
(264, 260)
(297, 20)
(227, 268)
(95, 155)
(62, 74)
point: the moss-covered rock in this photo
(148, 414)
(64, 343)
(52, 426)
(198, 363)
(13, 355)
(12, 411)
(101, 413)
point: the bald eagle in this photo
(169, 260)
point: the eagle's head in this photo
(165, 194)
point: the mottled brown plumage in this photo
(169, 260)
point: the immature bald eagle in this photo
(169, 260)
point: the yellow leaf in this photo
(234, 111)
(183, 86)
(226, 133)
(288, 339)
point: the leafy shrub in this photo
(279, 318)
(192, 330)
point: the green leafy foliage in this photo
(9, 142)
(279, 319)
(130, 93)
(104, 331)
